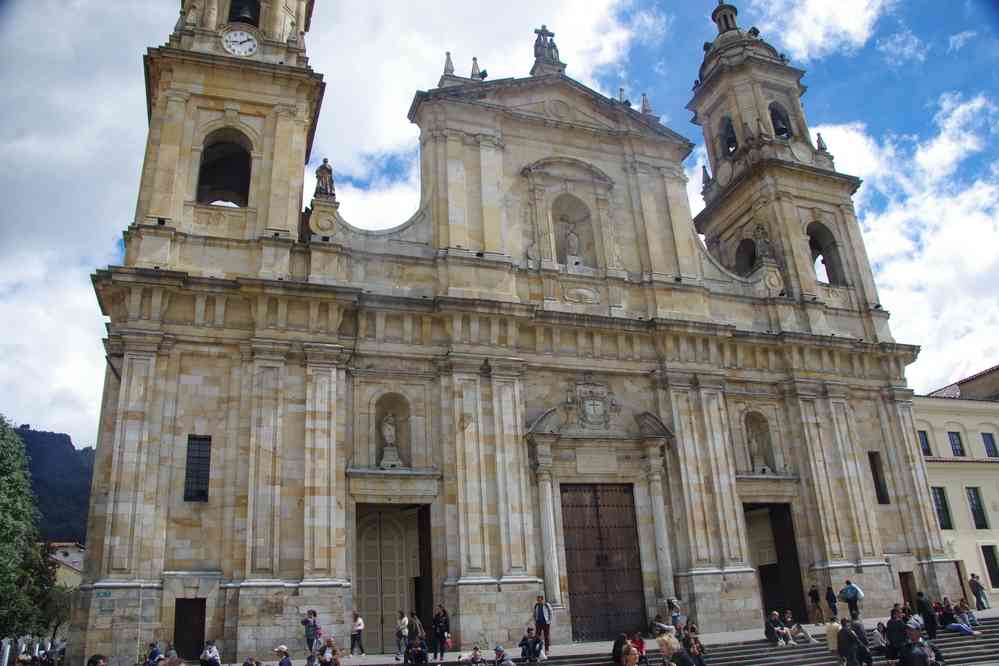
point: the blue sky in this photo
(905, 93)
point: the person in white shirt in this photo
(356, 634)
(401, 635)
(210, 655)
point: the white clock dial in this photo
(239, 42)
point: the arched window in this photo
(825, 254)
(745, 257)
(224, 177)
(781, 121)
(726, 134)
(245, 11)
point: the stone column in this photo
(491, 174)
(267, 406)
(168, 154)
(546, 497)
(512, 491)
(324, 478)
(457, 194)
(284, 204)
(664, 557)
(127, 511)
(658, 236)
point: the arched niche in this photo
(759, 443)
(245, 11)
(226, 167)
(397, 407)
(575, 242)
(826, 259)
(780, 120)
(745, 257)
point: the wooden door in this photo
(189, 627)
(383, 588)
(907, 580)
(603, 563)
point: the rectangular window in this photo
(989, 440)
(878, 472)
(977, 508)
(199, 460)
(943, 510)
(991, 564)
(956, 445)
(924, 443)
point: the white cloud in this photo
(902, 47)
(812, 29)
(73, 129)
(958, 41)
(933, 236)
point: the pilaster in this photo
(168, 154)
(267, 408)
(325, 482)
(661, 527)
(491, 174)
(546, 496)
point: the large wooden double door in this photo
(603, 562)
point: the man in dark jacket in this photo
(847, 643)
(917, 653)
(816, 599)
(775, 631)
(864, 655)
(530, 647)
(925, 609)
(895, 634)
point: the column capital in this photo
(319, 354)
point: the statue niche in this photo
(759, 444)
(575, 244)
(392, 432)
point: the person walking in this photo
(543, 615)
(441, 626)
(852, 595)
(357, 634)
(894, 636)
(311, 625)
(925, 610)
(831, 601)
(401, 635)
(816, 599)
(847, 644)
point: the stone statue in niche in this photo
(390, 450)
(759, 445)
(764, 249)
(571, 238)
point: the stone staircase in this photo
(957, 650)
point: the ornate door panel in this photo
(603, 562)
(383, 584)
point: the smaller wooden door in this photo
(908, 583)
(383, 588)
(189, 627)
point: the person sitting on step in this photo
(795, 629)
(775, 631)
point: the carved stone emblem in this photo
(594, 403)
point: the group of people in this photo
(679, 643)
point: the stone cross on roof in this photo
(546, 56)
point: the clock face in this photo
(239, 42)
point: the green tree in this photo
(20, 557)
(56, 609)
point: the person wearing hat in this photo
(916, 652)
(502, 657)
(283, 651)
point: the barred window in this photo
(199, 461)
(943, 509)
(956, 445)
(989, 440)
(924, 443)
(977, 508)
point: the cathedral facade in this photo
(543, 382)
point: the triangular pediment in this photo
(554, 98)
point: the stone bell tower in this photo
(232, 106)
(772, 193)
